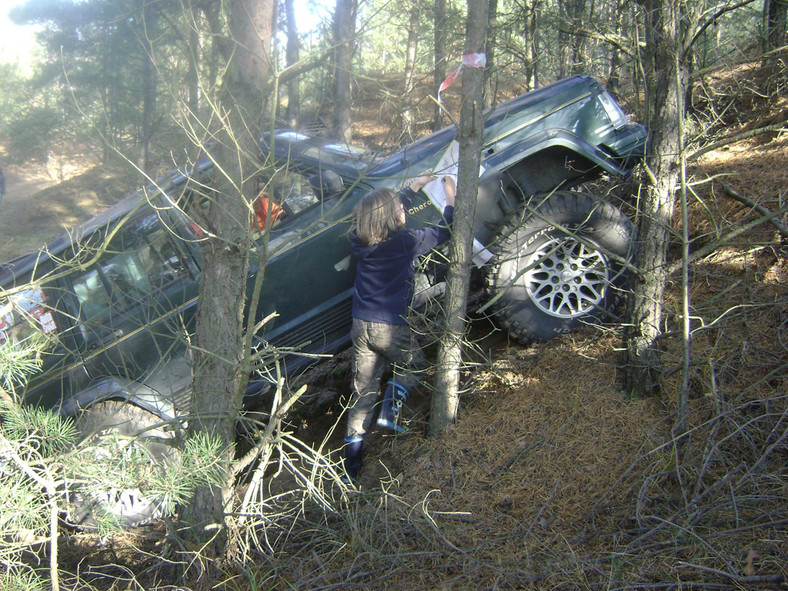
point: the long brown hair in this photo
(377, 216)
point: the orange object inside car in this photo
(263, 207)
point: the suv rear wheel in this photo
(555, 266)
(133, 442)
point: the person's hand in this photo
(418, 183)
(450, 189)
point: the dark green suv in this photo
(115, 300)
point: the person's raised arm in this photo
(449, 189)
(418, 183)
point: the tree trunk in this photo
(571, 46)
(193, 77)
(439, 42)
(774, 15)
(148, 107)
(564, 46)
(145, 31)
(490, 74)
(614, 74)
(410, 71)
(531, 43)
(445, 399)
(219, 374)
(667, 84)
(292, 56)
(344, 39)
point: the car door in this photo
(309, 271)
(135, 305)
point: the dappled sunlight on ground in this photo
(549, 471)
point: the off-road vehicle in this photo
(116, 298)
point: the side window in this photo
(140, 261)
(294, 192)
(280, 199)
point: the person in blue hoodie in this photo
(386, 253)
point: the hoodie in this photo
(383, 288)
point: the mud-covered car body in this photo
(116, 299)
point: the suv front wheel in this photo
(556, 266)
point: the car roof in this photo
(438, 140)
(314, 153)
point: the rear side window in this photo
(140, 261)
(29, 325)
(24, 314)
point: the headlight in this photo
(616, 114)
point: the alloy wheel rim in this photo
(566, 278)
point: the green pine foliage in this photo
(46, 462)
(42, 431)
(31, 441)
(17, 362)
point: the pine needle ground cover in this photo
(551, 479)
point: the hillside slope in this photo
(550, 479)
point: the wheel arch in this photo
(568, 158)
(505, 191)
(556, 167)
(113, 388)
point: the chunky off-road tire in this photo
(121, 433)
(553, 270)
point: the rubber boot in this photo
(353, 458)
(391, 409)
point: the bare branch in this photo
(777, 127)
(759, 208)
(710, 21)
(620, 42)
(710, 248)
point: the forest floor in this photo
(550, 479)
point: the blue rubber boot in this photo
(353, 458)
(391, 409)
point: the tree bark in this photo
(774, 15)
(531, 43)
(292, 52)
(614, 73)
(490, 74)
(571, 46)
(193, 76)
(439, 42)
(149, 91)
(668, 80)
(344, 39)
(243, 34)
(445, 399)
(414, 14)
(564, 47)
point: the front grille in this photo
(320, 332)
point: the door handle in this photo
(114, 335)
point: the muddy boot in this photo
(391, 409)
(353, 459)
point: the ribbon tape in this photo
(470, 60)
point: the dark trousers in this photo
(375, 346)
